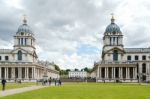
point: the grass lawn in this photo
(16, 85)
(88, 91)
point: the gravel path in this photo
(19, 90)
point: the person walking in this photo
(55, 82)
(3, 84)
(59, 82)
(49, 82)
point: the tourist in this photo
(59, 81)
(55, 82)
(49, 81)
(3, 84)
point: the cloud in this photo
(69, 32)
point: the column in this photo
(27, 72)
(100, 72)
(35, 76)
(135, 72)
(126, 73)
(112, 75)
(21, 72)
(107, 72)
(121, 73)
(0, 73)
(32, 72)
(12, 73)
(5, 73)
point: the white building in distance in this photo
(121, 64)
(78, 74)
(21, 62)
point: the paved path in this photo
(19, 90)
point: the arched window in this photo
(19, 55)
(115, 55)
(143, 68)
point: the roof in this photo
(5, 51)
(137, 50)
(112, 28)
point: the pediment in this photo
(18, 49)
(115, 48)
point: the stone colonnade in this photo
(117, 73)
(19, 72)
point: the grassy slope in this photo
(87, 91)
(16, 85)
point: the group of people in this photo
(44, 82)
(57, 82)
(49, 81)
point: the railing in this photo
(115, 62)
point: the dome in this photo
(24, 28)
(113, 28)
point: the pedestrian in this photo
(3, 84)
(49, 81)
(59, 82)
(55, 82)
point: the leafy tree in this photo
(57, 67)
(76, 69)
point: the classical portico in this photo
(125, 72)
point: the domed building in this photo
(121, 64)
(21, 63)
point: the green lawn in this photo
(16, 85)
(88, 91)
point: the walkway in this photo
(19, 90)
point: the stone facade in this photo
(21, 62)
(121, 64)
(78, 74)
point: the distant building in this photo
(21, 62)
(77, 74)
(121, 64)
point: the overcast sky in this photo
(69, 32)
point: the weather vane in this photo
(112, 14)
(24, 19)
(112, 19)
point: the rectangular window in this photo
(25, 41)
(31, 42)
(6, 58)
(110, 40)
(21, 41)
(143, 57)
(128, 57)
(0, 58)
(117, 40)
(113, 40)
(136, 57)
(18, 41)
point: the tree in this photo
(57, 67)
(76, 69)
